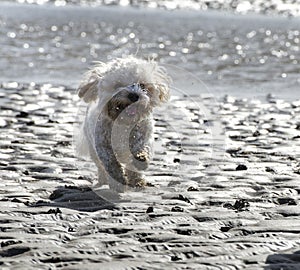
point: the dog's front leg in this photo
(140, 142)
(140, 147)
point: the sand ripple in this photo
(231, 210)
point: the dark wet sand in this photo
(233, 209)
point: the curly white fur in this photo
(117, 129)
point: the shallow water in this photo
(247, 56)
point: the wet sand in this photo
(231, 209)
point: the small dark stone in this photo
(55, 195)
(30, 123)
(142, 240)
(241, 205)
(54, 211)
(228, 205)
(288, 201)
(225, 228)
(192, 189)
(147, 184)
(177, 209)
(63, 143)
(18, 142)
(71, 229)
(184, 231)
(245, 232)
(22, 114)
(51, 260)
(11, 168)
(50, 121)
(16, 200)
(150, 209)
(9, 242)
(241, 167)
(233, 151)
(176, 160)
(297, 171)
(14, 251)
(270, 170)
(182, 198)
(175, 258)
(56, 153)
(40, 202)
(256, 133)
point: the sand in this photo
(224, 190)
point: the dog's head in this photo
(129, 104)
(128, 85)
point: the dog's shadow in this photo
(81, 199)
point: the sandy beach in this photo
(223, 186)
(229, 202)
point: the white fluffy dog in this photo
(118, 126)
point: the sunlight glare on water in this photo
(57, 44)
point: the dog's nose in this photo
(133, 97)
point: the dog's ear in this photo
(88, 89)
(164, 92)
(163, 84)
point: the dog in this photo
(117, 131)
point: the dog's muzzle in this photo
(135, 93)
(136, 88)
(129, 102)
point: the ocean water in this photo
(206, 51)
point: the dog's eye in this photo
(143, 86)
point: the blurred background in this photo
(237, 47)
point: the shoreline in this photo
(215, 93)
(227, 52)
(8, 10)
(241, 8)
(208, 207)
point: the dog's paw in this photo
(138, 184)
(141, 160)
